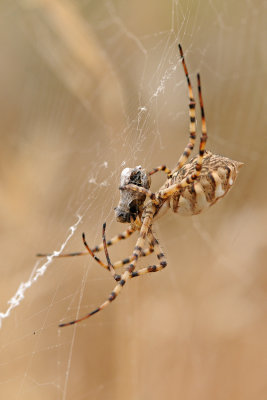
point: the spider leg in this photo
(140, 189)
(160, 168)
(110, 266)
(127, 274)
(160, 256)
(124, 235)
(192, 115)
(204, 135)
(92, 253)
(153, 242)
(165, 193)
(117, 264)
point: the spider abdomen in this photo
(218, 175)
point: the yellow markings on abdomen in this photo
(193, 200)
(219, 192)
(217, 176)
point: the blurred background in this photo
(87, 88)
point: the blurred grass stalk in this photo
(66, 42)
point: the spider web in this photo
(89, 88)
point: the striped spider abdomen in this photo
(217, 176)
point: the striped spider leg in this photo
(192, 115)
(165, 193)
(118, 264)
(124, 235)
(153, 242)
(192, 126)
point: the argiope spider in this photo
(190, 188)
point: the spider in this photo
(190, 188)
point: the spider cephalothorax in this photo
(190, 188)
(131, 203)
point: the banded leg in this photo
(110, 266)
(152, 268)
(117, 277)
(117, 264)
(192, 114)
(192, 177)
(160, 168)
(204, 136)
(160, 255)
(127, 274)
(124, 235)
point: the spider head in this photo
(131, 203)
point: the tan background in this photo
(74, 75)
